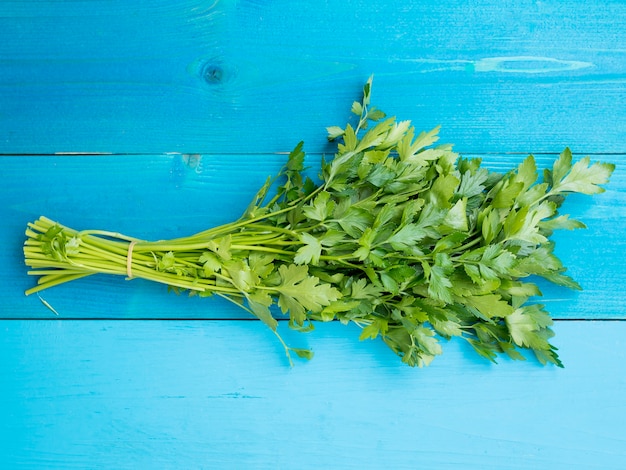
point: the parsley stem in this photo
(261, 248)
(61, 280)
(469, 244)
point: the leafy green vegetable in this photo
(405, 239)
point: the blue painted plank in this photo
(167, 196)
(248, 76)
(163, 394)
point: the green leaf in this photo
(523, 328)
(541, 318)
(425, 337)
(548, 356)
(263, 313)
(431, 216)
(340, 306)
(361, 289)
(450, 242)
(303, 353)
(389, 283)
(523, 225)
(51, 233)
(254, 208)
(410, 210)
(221, 246)
(261, 263)
(334, 132)
(442, 190)
(534, 194)
(490, 305)
(490, 224)
(349, 141)
(354, 221)
(210, 263)
(473, 272)
(561, 166)
(375, 136)
(365, 244)
(584, 178)
(397, 131)
(447, 325)
(439, 286)
(519, 292)
(526, 173)
(544, 263)
(405, 148)
(72, 246)
(425, 139)
(367, 88)
(561, 222)
(406, 236)
(320, 208)
(496, 260)
(472, 184)
(506, 194)
(331, 238)
(385, 216)
(300, 292)
(381, 175)
(166, 262)
(403, 273)
(374, 114)
(295, 161)
(561, 280)
(456, 218)
(310, 252)
(372, 157)
(485, 350)
(242, 277)
(377, 327)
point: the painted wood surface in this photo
(198, 100)
(219, 394)
(163, 76)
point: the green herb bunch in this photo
(405, 239)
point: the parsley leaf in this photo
(299, 292)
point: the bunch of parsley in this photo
(405, 239)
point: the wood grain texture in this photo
(255, 76)
(167, 196)
(227, 85)
(162, 394)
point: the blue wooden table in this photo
(161, 118)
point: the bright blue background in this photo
(195, 103)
